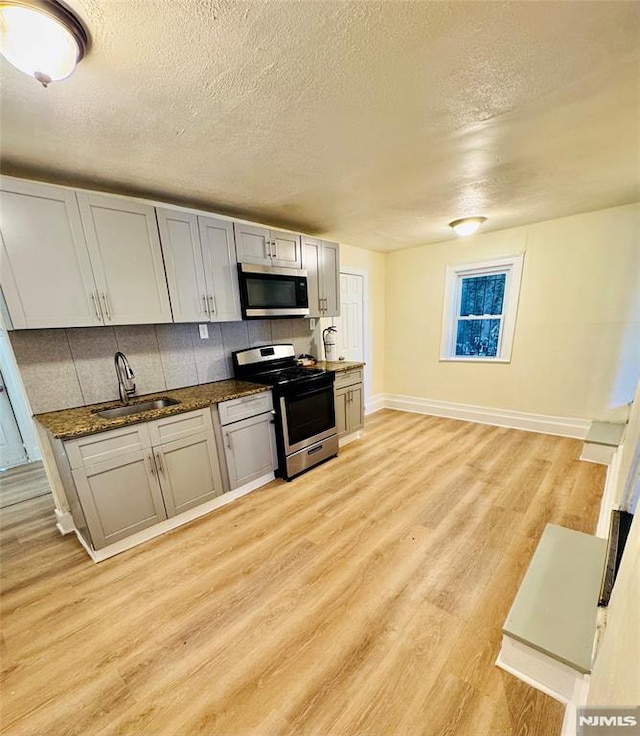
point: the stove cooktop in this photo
(287, 375)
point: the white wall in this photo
(576, 350)
(615, 679)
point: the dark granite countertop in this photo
(79, 421)
(339, 365)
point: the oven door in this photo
(273, 292)
(308, 416)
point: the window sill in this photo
(470, 359)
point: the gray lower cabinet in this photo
(188, 472)
(246, 432)
(349, 398)
(126, 480)
(120, 497)
(250, 449)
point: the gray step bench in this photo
(549, 635)
(602, 440)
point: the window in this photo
(480, 305)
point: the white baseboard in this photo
(374, 404)
(550, 676)
(542, 423)
(569, 724)
(349, 438)
(175, 521)
(64, 522)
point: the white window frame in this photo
(512, 266)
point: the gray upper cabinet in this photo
(200, 261)
(123, 242)
(263, 247)
(182, 251)
(45, 271)
(220, 269)
(321, 259)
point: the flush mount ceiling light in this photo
(41, 38)
(467, 225)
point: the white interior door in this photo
(12, 451)
(350, 323)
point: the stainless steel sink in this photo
(125, 411)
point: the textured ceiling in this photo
(372, 123)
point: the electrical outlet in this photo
(204, 331)
(312, 324)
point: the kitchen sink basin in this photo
(125, 411)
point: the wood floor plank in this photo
(364, 598)
(23, 483)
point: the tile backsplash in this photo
(63, 368)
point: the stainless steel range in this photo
(303, 397)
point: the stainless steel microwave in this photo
(272, 292)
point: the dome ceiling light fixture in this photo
(41, 38)
(467, 225)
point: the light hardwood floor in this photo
(22, 483)
(362, 599)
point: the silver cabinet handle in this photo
(229, 443)
(96, 306)
(212, 305)
(159, 462)
(106, 306)
(152, 465)
(205, 308)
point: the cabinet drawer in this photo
(248, 406)
(107, 445)
(179, 425)
(348, 378)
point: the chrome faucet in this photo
(125, 375)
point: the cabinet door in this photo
(45, 270)
(120, 497)
(330, 279)
(342, 411)
(220, 269)
(311, 262)
(124, 246)
(250, 449)
(253, 244)
(180, 241)
(286, 249)
(355, 408)
(188, 471)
